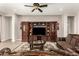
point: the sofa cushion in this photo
(64, 45)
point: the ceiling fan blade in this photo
(28, 6)
(40, 10)
(43, 5)
(33, 10)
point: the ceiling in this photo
(52, 9)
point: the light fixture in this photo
(60, 9)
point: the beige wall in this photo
(37, 19)
(6, 29)
(0, 24)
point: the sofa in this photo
(71, 41)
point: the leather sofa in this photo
(72, 41)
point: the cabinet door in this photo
(25, 31)
(53, 31)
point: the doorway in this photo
(70, 24)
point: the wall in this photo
(5, 28)
(70, 24)
(77, 23)
(6, 25)
(0, 26)
(37, 19)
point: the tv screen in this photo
(39, 31)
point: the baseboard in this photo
(4, 40)
(10, 40)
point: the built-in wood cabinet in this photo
(50, 33)
(25, 31)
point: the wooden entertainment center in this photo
(43, 30)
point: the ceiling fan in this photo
(36, 6)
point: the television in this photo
(39, 31)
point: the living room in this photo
(22, 24)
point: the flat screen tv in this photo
(39, 31)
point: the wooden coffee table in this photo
(39, 46)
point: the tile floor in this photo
(18, 45)
(9, 44)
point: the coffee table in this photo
(37, 45)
